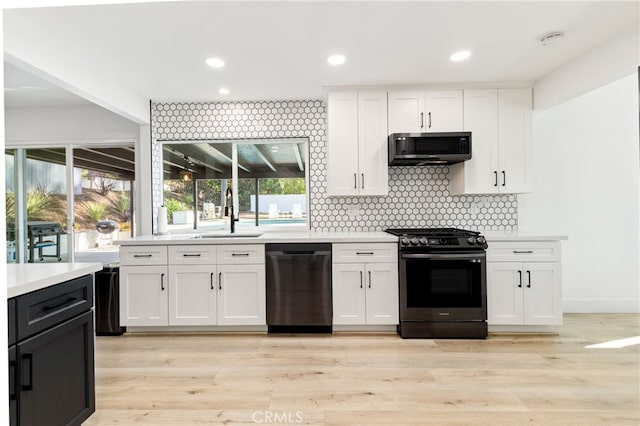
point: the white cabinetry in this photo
(192, 285)
(241, 285)
(357, 143)
(432, 111)
(524, 283)
(143, 286)
(365, 284)
(500, 124)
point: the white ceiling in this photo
(278, 50)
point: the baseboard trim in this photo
(601, 306)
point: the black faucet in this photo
(229, 209)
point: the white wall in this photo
(88, 124)
(586, 186)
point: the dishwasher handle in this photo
(298, 253)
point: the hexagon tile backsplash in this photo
(418, 196)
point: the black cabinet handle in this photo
(529, 278)
(239, 254)
(29, 376)
(220, 280)
(355, 181)
(142, 255)
(191, 255)
(162, 282)
(495, 172)
(360, 279)
(422, 120)
(429, 119)
(57, 305)
(364, 253)
(12, 381)
(369, 279)
(504, 178)
(520, 279)
(211, 280)
(523, 251)
(362, 184)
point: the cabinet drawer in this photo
(526, 251)
(11, 316)
(358, 253)
(143, 255)
(192, 255)
(45, 308)
(241, 254)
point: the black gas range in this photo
(443, 284)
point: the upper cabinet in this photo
(500, 124)
(357, 144)
(431, 111)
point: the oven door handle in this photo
(448, 256)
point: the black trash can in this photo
(108, 301)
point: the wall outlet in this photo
(354, 212)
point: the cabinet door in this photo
(342, 143)
(514, 121)
(480, 174)
(241, 295)
(406, 112)
(373, 178)
(193, 295)
(348, 293)
(56, 371)
(542, 293)
(144, 296)
(443, 111)
(382, 293)
(504, 293)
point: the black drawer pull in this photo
(29, 377)
(239, 254)
(12, 381)
(367, 253)
(191, 255)
(57, 305)
(142, 255)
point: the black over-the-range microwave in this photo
(418, 149)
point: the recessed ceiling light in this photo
(223, 91)
(215, 62)
(336, 59)
(460, 56)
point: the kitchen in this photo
(561, 203)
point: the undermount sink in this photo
(229, 235)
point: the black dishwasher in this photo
(299, 288)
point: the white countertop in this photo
(27, 277)
(266, 237)
(521, 236)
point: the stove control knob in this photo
(471, 240)
(404, 242)
(424, 241)
(481, 239)
(414, 241)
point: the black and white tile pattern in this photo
(418, 196)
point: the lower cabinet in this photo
(524, 284)
(56, 385)
(365, 293)
(200, 285)
(51, 365)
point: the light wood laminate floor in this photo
(372, 379)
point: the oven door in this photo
(443, 286)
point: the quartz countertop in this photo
(248, 237)
(24, 278)
(521, 236)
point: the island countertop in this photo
(24, 278)
(249, 237)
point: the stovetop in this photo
(439, 238)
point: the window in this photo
(264, 183)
